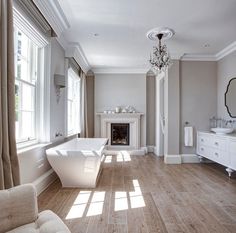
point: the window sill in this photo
(32, 147)
(71, 136)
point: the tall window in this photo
(26, 54)
(73, 103)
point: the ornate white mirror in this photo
(230, 98)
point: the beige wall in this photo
(150, 109)
(226, 69)
(198, 95)
(113, 90)
(57, 109)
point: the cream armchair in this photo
(19, 213)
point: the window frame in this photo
(32, 68)
(42, 84)
(76, 78)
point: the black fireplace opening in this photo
(119, 134)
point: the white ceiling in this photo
(122, 26)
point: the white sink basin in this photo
(222, 130)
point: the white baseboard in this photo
(172, 159)
(190, 158)
(144, 149)
(150, 149)
(157, 152)
(44, 181)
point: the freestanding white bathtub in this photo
(77, 162)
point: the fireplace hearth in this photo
(120, 134)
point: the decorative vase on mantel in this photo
(117, 109)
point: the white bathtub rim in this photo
(59, 149)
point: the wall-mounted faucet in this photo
(231, 122)
(228, 122)
(58, 134)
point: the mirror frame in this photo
(227, 89)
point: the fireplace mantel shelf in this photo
(136, 114)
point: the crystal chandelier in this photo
(160, 59)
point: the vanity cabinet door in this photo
(202, 145)
(203, 150)
(203, 139)
(218, 143)
(232, 152)
(221, 157)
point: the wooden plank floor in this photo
(142, 194)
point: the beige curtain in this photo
(83, 112)
(9, 166)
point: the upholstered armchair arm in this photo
(18, 206)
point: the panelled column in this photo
(172, 115)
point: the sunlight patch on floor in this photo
(89, 203)
(126, 156)
(86, 200)
(96, 205)
(119, 157)
(136, 197)
(121, 201)
(79, 205)
(123, 156)
(108, 159)
(137, 202)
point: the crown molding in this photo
(120, 70)
(226, 51)
(150, 73)
(62, 41)
(198, 57)
(215, 57)
(90, 73)
(176, 56)
(74, 50)
(53, 13)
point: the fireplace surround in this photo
(134, 122)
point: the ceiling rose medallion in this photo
(160, 58)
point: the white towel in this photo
(188, 136)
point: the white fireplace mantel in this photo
(133, 119)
